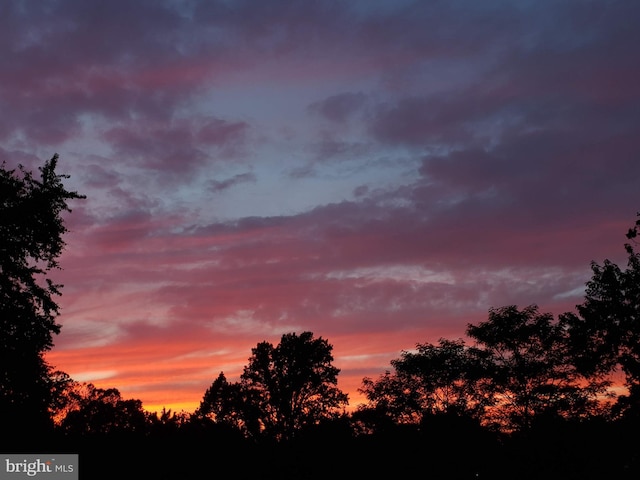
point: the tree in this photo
(223, 403)
(31, 231)
(97, 411)
(606, 331)
(441, 379)
(166, 423)
(282, 390)
(531, 368)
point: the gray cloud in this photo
(220, 185)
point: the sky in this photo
(378, 172)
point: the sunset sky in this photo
(379, 172)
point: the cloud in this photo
(98, 175)
(177, 147)
(218, 186)
(220, 132)
(92, 376)
(338, 108)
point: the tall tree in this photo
(434, 380)
(31, 231)
(606, 331)
(282, 390)
(532, 371)
(227, 405)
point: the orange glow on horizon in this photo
(174, 375)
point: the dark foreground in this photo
(572, 452)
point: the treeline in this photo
(527, 395)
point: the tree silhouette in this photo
(519, 370)
(31, 230)
(282, 390)
(97, 411)
(606, 331)
(436, 379)
(531, 371)
(227, 405)
(166, 423)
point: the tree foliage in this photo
(97, 411)
(282, 390)
(606, 329)
(228, 405)
(31, 231)
(531, 370)
(435, 379)
(520, 370)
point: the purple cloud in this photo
(219, 185)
